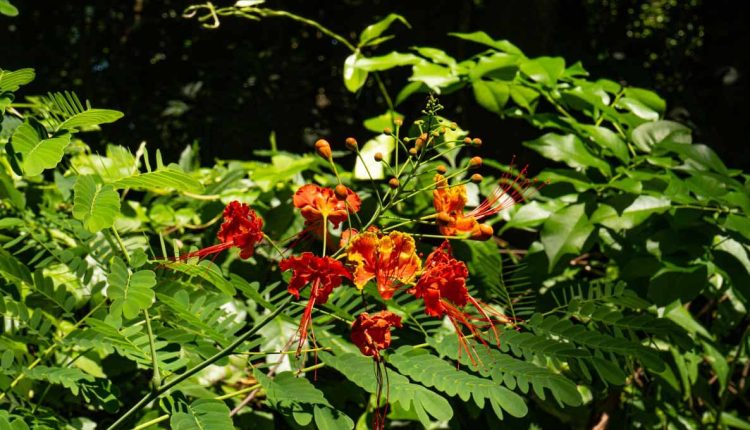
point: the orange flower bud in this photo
(419, 144)
(444, 218)
(351, 143)
(387, 130)
(485, 232)
(398, 121)
(475, 162)
(341, 192)
(378, 156)
(323, 148)
(476, 178)
(467, 141)
(393, 183)
(423, 136)
(477, 142)
(413, 152)
(442, 169)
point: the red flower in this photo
(373, 333)
(318, 205)
(242, 228)
(323, 274)
(442, 286)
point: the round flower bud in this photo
(341, 192)
(475, 162)
(454, 126)
(477, 142)
(442, 169)
(378, 156)
(485, 232)
(393, 183)
(443, 130)
(398, 121)
(351, 143)
(387, 130)
(476, 178)
(467, 141)
(413, 152)
(323, 148)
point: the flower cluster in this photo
(380, 251)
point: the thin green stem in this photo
(121, 244)
(152, 347)
(152, 422)
(205, 363)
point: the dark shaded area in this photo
(228, 89)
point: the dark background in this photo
(229, 88)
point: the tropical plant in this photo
(614, 296)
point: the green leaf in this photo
(203, 414)
(523, 96)
(647, 98)
(491, 95)
(498, 65)
(11, 81)
(483, 38)
(700, 154)
(13, 270)
(298, 398)
(719, 363)
(385, 62)
(378, 123)
(608, 140)
(130, 292)
(374, 31)
(435, 76)
(171, 177)
(38, 151)
(95, 204)
(678, 283)
(738, 224)
(565, 232)
(366, 166)
(90, 118)
(649, 134)
(432, 371)
(545, 70)
(568, 149)
(354, 78)
(68, 377)
(637, 212)
(207, 271)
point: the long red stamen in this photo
(304, 324)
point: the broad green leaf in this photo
(366, 166)
(171, 177)
(700, 154)
(637, 212)
(90, 118)
(203, 414)
(734, 421)
(12, 80)
(38, 151)
(608, 140)
(385, 62)
(565, 232)
(483, 38)
(718, 362)
(739, 224)
(568, 149)
(647, 135)
(95, 204)
(491, 95)
(378, 123)
(647, 98)
(130, 292)
(374, 31)
(523, 96)
(435, 76)
(436, 56)
(354, 78)
(678, 283)
(498, 65)
(7, 9)
(545, 70)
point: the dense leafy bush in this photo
(624, 280)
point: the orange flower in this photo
(389, 259)
(318, 204)
(323, 274)
(372, 334)
(442, 286)
(450, 201)
(242, 228)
